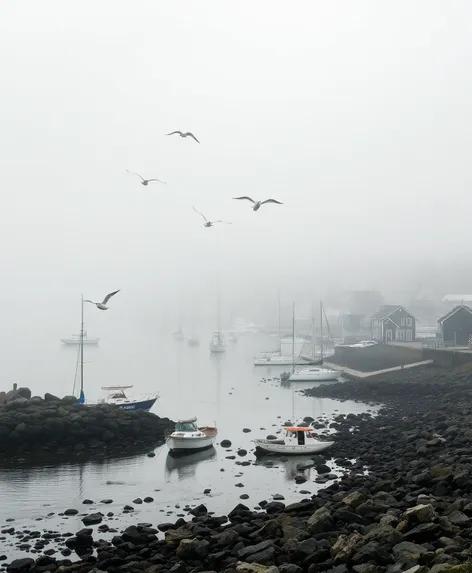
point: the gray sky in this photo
(355, 114)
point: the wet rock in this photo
(106, 501)
(20, 565)
(87, 501)
(225, 443)
(92, 519)
(148, 499)
(246, 430)
(242, 452)
(320, 521)
(71, 512)
(137, 501)
(422, 513)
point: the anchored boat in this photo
(76, 339)
(189, 438)
(297, 440)
(116, 395)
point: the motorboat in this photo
(116, 395)
(189, 438)
(76, 340)
(315, 374)
(298, 440)
(218, 342)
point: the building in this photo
(456, 325)
(393, 323)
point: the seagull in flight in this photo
(207, 222)
(184, 134)
(258, 204)
(103, 305)
(145, 181)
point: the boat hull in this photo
(180, 446)
(217, 348)
(144, 405)
(315, 375)
(272, 447)
(72, 341)
(277, 361)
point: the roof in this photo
(188, 420)
(457, 298)
(387, 309)
(453, 311)
(298, 429)
(116, 387)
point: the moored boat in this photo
(218, 343)
(189, 438)
(118, 397)
(77, 339)
(315, 374)
(298, 440)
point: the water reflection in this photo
(186, 466)
(293, 466)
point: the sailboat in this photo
(192, 338)
(317, 373)
(218, 342)
(116, 394)
(75, 339)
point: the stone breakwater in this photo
(54, 426)
(412, 510)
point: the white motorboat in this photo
(315, 374)
(188, 437)
(116, 395)
(76, 339)
(298, 440)
(218, 343)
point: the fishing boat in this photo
(75, 340)
(188, 437)
(316, 373)
(116, 394)
(298, 440)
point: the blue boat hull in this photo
(144, 405)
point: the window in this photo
(409, 335)
(402, 322)
(401, 335)
(409, 321)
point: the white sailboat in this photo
(218, 341)
(75, 339)
(316, 373)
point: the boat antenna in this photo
(280, 338)
(313, 332)
(81, 399)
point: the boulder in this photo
(346, 546)
(320, 521)
(422, 513)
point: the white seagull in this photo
(257, 204)
(103, 305)
(145, 181)
(207, 222)
(184, 134)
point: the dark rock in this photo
(92, 519)
(71, 512)
(242, 452)
(20, 565)
(225, 443)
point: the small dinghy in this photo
(298, 440)
(189, 438)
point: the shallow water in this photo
(225, 389)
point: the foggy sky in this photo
(355, 114)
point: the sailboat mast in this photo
(293, 337)
(82, 348)
(313, 333)
(321, 329)
(280, 334)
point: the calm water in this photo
(225, 389)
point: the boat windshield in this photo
(185, 427)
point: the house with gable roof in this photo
(456, 325)
(393, 323)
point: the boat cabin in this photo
(116, 392)
(299, 433)
(189, 425)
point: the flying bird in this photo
(103, 305)
(145, 181)
(257, 204)
(184, 134)
(207, 222)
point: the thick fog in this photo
(356, 115)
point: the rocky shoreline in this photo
(403, 504)
(40, 426)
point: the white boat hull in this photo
(217, 348)
(76, 342)
(188, 445)
(315, 375)
(275, 360)
(271, 446)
